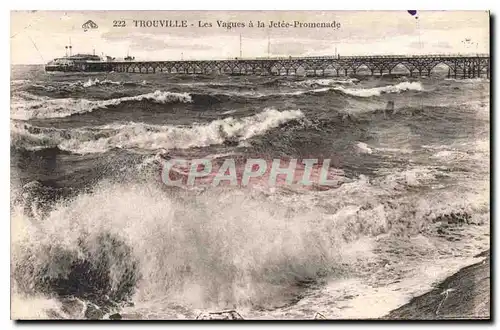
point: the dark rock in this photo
(319, 316)
(464, 295)
(222, 315)
(483, 254)
(459, 218)
(86, 277)
(115, 316)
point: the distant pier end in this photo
(459, 66)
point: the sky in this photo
(40, 36)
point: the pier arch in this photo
(364, 69)
(441, 69)
(400, 68)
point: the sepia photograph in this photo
(250, 165)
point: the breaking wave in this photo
(363, 148)
(31, 106)
(377, 91)
(320, 86)
(150, 137)
(323, 82)
(216, 250)
(210, 253)
(96, 82)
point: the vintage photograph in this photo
(250, 165)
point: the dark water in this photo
(92, 220)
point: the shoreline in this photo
(463, 295)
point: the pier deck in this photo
(459, 66)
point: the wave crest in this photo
(96, 82)
(151, 137)
(324, 82)
(377, 91)
(30, 106)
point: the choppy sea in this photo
(92, 223)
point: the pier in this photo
(459, 66)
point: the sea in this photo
(94, 227)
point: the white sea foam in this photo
(152, 137)
(96, 82)
(413, 177)
(377, 91)
(325, 82)
(16, 82)
(27, 106)
(258, 95)
(211, 250)
(302, 92)
(363, 148)
(33, 308)
(450, 155)
(241, 248)
(468, 80)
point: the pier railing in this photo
(333, 57)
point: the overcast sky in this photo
(360, 33)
